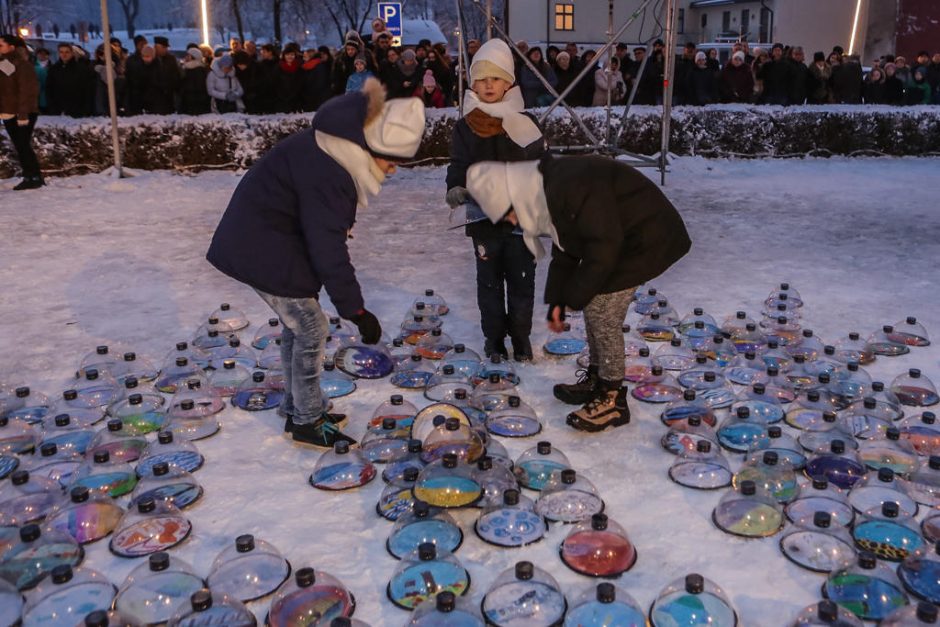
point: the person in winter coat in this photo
(430, 92)
(702, 84)
(649, 87)
(194, 97)
(405, 76)
(289, 83)
(612, 229)
(223, 86)
(820, 73)
(70, 85)
(316, 79)
(358, 78)
(267, 79)
(918, 91)
(873, 91)
(894, 88)
(42, 66)
(847, 81)
(142, 84)
(565, 72)
(608, 78)
(443, 73)
(166, 77)
(534, 93)
(294, 211)
(19, 107)
(775, 75)
(736, 80)
(246, 71)
(344, 63)
(933, 76)
(800, 79)
(495, 127)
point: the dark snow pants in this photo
(22, 139)
(505, 287)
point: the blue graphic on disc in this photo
(522, 603)
(597, 614)
(363, 362)
(921, 577)
(717, 398)
(190, 461)
(335, 388)
(182, 494)
(739, 436)
(534, 474)
(412, 585)
(8, 464)
(682, 608)
(514, 426)
(840, 471)
(886, 539)
(511, 527)
(870, 598)
(684, 412)
(31, 415)
(411, 379)
(77, 441)
(441, 533)
(768, 412)
(257, 400)
(565, 346)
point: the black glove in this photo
(369, 327)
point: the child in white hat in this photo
(496, 128)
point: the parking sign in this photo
(390, 12)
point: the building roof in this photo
(704, 4)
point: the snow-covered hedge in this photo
(68, 146)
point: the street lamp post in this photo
(205, 21)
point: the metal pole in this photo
(112, 99)
(489, 19)
(460, 59)
(630, 99)
(607, 70)
(668, 74)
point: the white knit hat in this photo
(738, 55)
(700, 55)
(493, 60)
(194, 52)
(398, 130)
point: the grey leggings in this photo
(603, 321)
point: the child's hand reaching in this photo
(556, 318)
(456, 196)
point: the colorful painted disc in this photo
(441, 533)
(510, 426)
(342, 476)
(748, 519)
(144, 422)
(682, 608)
(76, 441)
(887, 539)
(150, 535)
(819, 552)
(154, 599)
(61, 471)
(598, 553)
(597, 614)
(510, 527)
(869, 598)
(392, 505)
(71, 605)
(656, 393)
(523, 603)
(425, 580)
(682, 413)
(411, 379)
(564, 346)
(26, 565)
(257, 400)
(718, 398)
(182, 494)
(123, 450)
(20, 443)
(922, 578)
(423, 423)
(336, 388)
(87, 522)
(363, 362)
(700, 474)
(842, 472)
(315, 605)
(190, 461)
(113, 484)
(251, 576)
(534, 474)
(8, 463)
(448, 491)
(192, 429)
(569, 506)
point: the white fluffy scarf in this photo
(361, 166)
(520, 127)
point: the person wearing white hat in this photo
(495, 127)
(284, 234)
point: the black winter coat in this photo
(284, 231)
(70, 88)
(167, 79)
(316, 86)
(142, 88)
(266, 80)
(776, 77)
(616, 227)
(800, 83)
(847, 83)
(467, 148)
(736, 83)
(194, 98)
(701, 86)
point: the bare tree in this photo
(276, 16)
(13, 13)
(131, 9)
(349, 14)
(236, 11)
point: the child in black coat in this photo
(495, 128)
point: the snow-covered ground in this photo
(91, 260)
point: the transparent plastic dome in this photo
(140, 413)
(397, 408)
(364, 361)
(167, 483)
(869, 588)
(176, 373)
(674, 356)
(511, 523)
(653, 328)
(771, 473)
(849, 385)
(424, 420)
(434, 345)
(798, 376)
(121, 445)
(701, 375)
(17, 436)
(688, 407)
(809, 347)
(343, 330)
(102, 358)
(248, 569)
(853, 348)
(722, 351)
(783, 328)
(840, 466)
(776, 357)
(749, 340)
(54, 464)
(914, 389)
(818, 544)
(154, 589)
(167, 448)
(749, 511)
(104, 476)
(270, 358)
(910, 332)
(888, 533)
(397, 498)
(514, 420)
(19, 566)
(465, 361)
(434, 303)
(342, 468)
(783, 445)
(605, 605)
(887, 453)
(423, 524)
(598, 547)
(524, 596)
(85, 517)
(85, 416)
(311, 597)
(399, 352)
(451, 436)
(496, 365)
(826, 613)
(658, 387)
(266, 334)
(189, 423)
(494, 478)
(568, 498)
(825, 362)
(425, 573)
(806, 412)
(66, 596)
(564, 343)
(206, 609)
(687, 325)
(29, 405)
(211, 335)
(413, 328)
(824, 433)
(746, 369)
(741, 430)
(66, 434)
(735, 324)
(645, 299)
(235, 351)
(257, 392)
(922, 613)
(192, 354)
(703, 468)
(413, 374)
(95, 389)
(535, 466)
(205, 401)
(443, 384)
(885, 342)
(692, 600)
(383, 443)
(445, 610)
(335, 383)
(150, 527)
(638, 367)
(493, 393)
(761, 405)
(229, 318)
(779, 386)
(684, 435)
(28, 498)
(920, 573)
(410, 458)
(921, 433)
(448, 482)
(930, 527)
(11, 604)
(820, 496)
(923, 484)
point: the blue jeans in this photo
(302, 339)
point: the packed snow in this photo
(94, 260)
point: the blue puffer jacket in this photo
(285, 229)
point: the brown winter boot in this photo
(607, 409)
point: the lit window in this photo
(564, 17)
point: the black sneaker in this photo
(607, 409)
(492, 347)
(320, 434)
(522, 350)
(338, 420)
(30, 182)
(581, 392)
